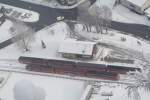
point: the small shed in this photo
(77, 49)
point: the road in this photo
(48, 16)
(139, 30)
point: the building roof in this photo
(76, 47)
(138, 2)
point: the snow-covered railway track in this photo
(11, 63)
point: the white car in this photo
(59, 18)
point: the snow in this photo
(55, 88)
(76, 47)
(123, 14)
(4, 31)
(26, 90)
(87, 93)
(119, 93)
(135, 50)
(21, 14)
(53, 36)
(148, 12)
(137, 2)
(58, 33)
(108, 3)
(114, 37)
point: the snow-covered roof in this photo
(138, 2)
(76, 47)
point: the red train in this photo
(74, 68)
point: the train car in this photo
(75, 68)
(103, 74)
(45, 62)
(32, 60)
(91, 66)
(121, 69)
(74, 72)
(61, 63)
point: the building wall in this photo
(76, 56)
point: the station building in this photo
(77, 49)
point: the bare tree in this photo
(84, 16)
(103, 15)
(23, 34)
(88, 21)
(142, 80)
(96, 16)
(133, 92)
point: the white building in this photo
(77, 49)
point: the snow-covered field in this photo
(51, 36)
(55, 88)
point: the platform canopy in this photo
(76, 47)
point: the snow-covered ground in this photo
(55, 88)
(118, 92)
(4, 31)
(123, 14)
(137, 47)
(53, 36)
(114, 37)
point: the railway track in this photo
(12, 65)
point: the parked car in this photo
(59, 18)
(67, 2)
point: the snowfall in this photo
(61, 88)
